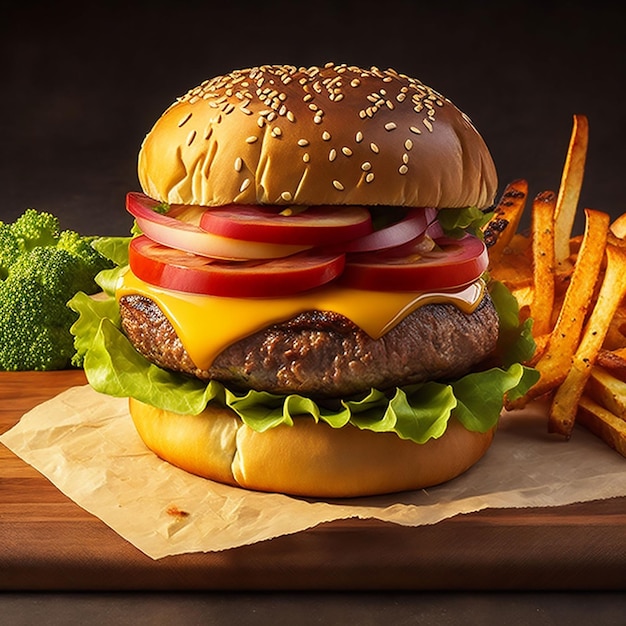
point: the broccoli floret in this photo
(41, 268)
(35, 228)
(9, 249)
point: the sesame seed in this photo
(401, 97)
(332, 154)
(374, 148)
(370, 177)
(415, 130)
(403, 169)
(338, 97)
(303, 143)
(276, 132)
(326, 136)
(359, 137)
(355, 82)
(238, 164)
(286, 196)
(190, 137)
(428, 124)
(252, 139)
(245, 110)
(184, 120)
(347, 152)
(405, 158)
(362, 114)
(390, 126)
(229, 108)
(305, 157)
(408, 144)
(308, 97)
(366, 166)
(244, 185)
(260, 122)
(337, 185)
(290, 116)
(317, 119)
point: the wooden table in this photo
(48, 542)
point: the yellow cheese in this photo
(206, 325)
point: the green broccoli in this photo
(41, 268)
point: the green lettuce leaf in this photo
(417, 412)
(458, 222)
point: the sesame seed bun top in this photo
(321, 135)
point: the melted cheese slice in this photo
(206, 325)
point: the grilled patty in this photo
(323, 354)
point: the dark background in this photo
(82, 83)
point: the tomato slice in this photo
(181, 271)
(452, 263)
(179, 228)
(312, 226)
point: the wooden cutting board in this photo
(48, 542)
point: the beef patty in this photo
(323, 354)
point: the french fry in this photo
(614, 361)
(499, 231)
(602, 423)
(543, 261)
(607, 390)
(618, 227)
(562, 342)
(515, 262)
(571, 184)
(616, 337)
(563, 410)
(574, 288)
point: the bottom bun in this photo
(306, 459)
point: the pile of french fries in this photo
(573, 287)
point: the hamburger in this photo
(303, 307)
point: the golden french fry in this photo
(571, 184)
(514, 266)
(565, 402)
(613, 361)
(607, 390)
(616, 336)
(602, 423)
(561, 345)
(618, 227)
(499, 231)
(543, 262)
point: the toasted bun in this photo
(306, 459)
(312, 136)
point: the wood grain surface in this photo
(48, 542)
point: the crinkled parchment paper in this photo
(86, 445)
